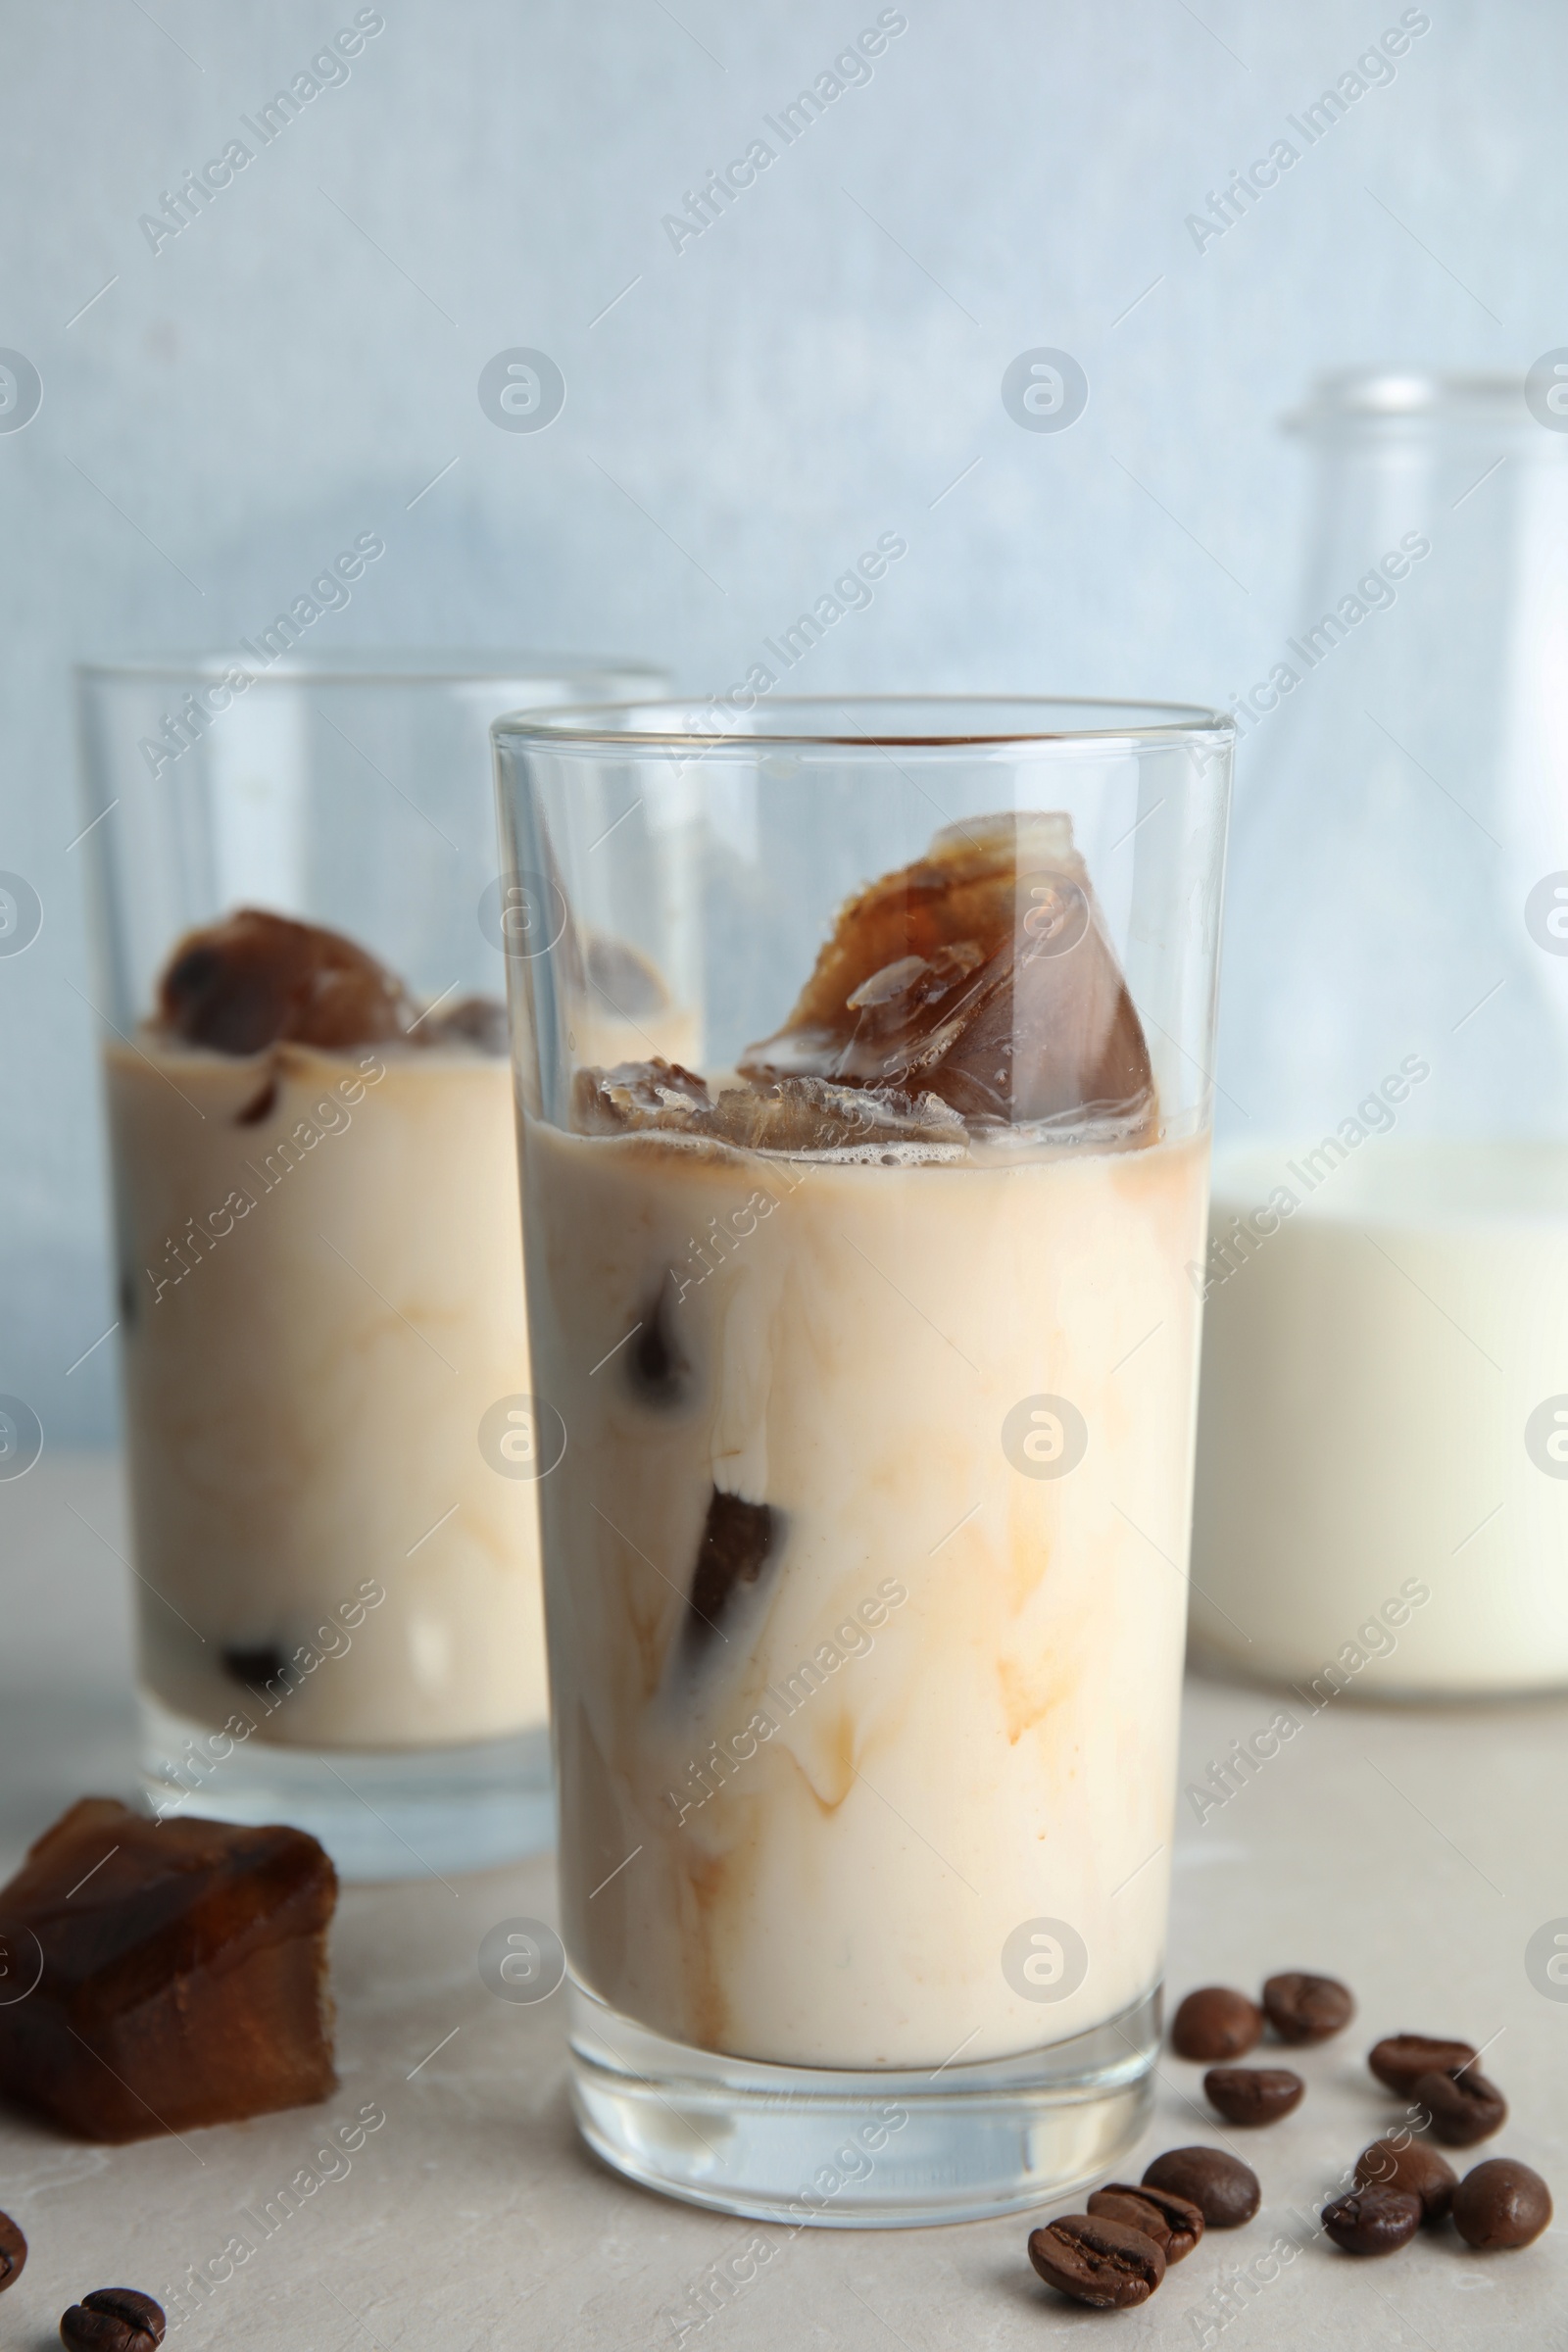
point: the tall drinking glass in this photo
(320, 1286)
(865, 1336)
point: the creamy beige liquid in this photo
(1370, 1370)
(970, 1675)
(304, 1402)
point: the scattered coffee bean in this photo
(1402, 2059)
(1133, 2211)
(1175, 2224)
(1500, 2203)
(1223, 2188)
(1373, 2221)
(13, 2252)
(1463, 2105)
(1215, 2022)
(1303, 2008)
(113, 2319)
(1415, 2167)
(1102, 2263)
(1254, 2094)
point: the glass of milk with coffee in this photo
(300, 962)
(864, 1352)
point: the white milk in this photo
(1370, 1372)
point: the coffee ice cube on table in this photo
(181, 1973)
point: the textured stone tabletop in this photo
(1413, 1852)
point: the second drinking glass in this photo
(864, 1334)
(320, 1283)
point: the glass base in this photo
(381, 1813)
(889, 2149)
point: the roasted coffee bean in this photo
(1463, 2105)
(13, 2252)
(1215, 2022)
(1402, 2059)
(1254, 2094)
(1303, 2008)
(1223, 2188)
(1102, 2263)
(1180, 2223)
(1133, 2212)
(1373, 2221)
(1500, 2203)
(113, 2319)
(1415, 2167)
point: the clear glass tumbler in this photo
(865, 1345)
(321, 1289)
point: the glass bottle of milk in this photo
(1382, 1504)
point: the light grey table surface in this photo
(1413, 1852)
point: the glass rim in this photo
(369, 665)
(583, 726)
(1373, 396)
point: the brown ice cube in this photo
(780, 1114)
(980, 975)
(738, 1538)
(257, 979)
(472, 1021)
(641, 1094)
(624, 978)
(183, 1973)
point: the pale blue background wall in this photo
(817, 367)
